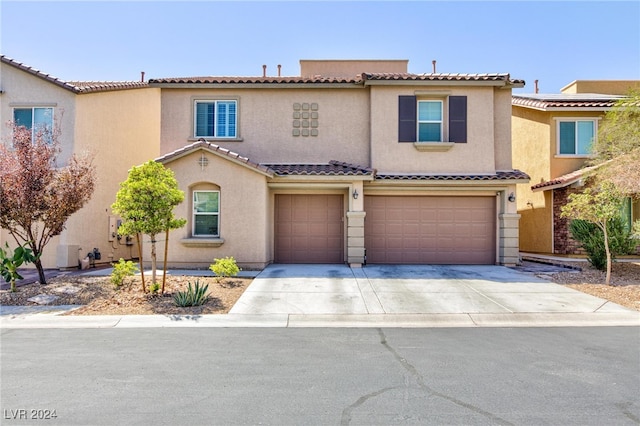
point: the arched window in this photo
(205, 203)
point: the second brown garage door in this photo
(430, 230)
(309, 228)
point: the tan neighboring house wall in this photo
(610, 87)
(117, 123)
(535, 130)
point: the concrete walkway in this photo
(376, 296)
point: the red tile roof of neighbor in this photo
(562, 181)
(77, 86)
(554, 102)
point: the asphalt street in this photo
(321, 376)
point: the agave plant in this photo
(193, 296)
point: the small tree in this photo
(36, 196)
(599, 205)
(10, 262)
(145, 203)
(617, 147)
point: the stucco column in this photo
(355, 238)
(509, 254)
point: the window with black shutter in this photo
(407, 119)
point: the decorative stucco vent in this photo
(305, 119)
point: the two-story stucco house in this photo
(352, 161)
(117, 123)
(552, 135)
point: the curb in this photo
(463, 320)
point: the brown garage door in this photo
(435, 230)
(309, 229)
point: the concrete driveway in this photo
(410, 289)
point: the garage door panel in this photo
(309, 228)
(444, 230)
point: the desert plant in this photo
(9, 263)
(122, 270)
(226, 267)
(193, 296)
(591, 239)
(154, 288)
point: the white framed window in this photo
(206, 214)
(36, 119)
(575, 136)
(215, 119)
(430, 118)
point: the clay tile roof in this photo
(254, 80)
(76, 86)
(104, 86)
(499, 175)
(551, 102)
(333, 168)
(37, 73)
(564, 180)
(442, 77)
(202, 144)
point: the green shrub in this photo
(122, 270)
(193, 296)
(591, 239)
(154, 288)
(10, 262)
(226, 267)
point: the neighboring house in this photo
(118, 123)
(552, 135)
(352, 161)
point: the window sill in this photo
(572, 156)
(433, 146)
(214, 140)
(202, 242)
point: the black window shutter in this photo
(407, 118)
(458, 119)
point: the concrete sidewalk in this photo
(376, 296)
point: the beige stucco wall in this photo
(532, 154)
(265, 124)
(244, 213)
(119, 129)
(534, 136)
(609, 87)
(350, 68)
(22, 89)
(476, 156)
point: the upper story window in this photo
(576, 136)
(429, 121)
(215, 119)
(37, 119)
(206, 214)
(432, 120)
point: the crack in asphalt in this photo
(624, 408)
(413, 372)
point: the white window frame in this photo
(441, 121)
(33, 117)
(216, 129)
(195, 213)
(575, 120)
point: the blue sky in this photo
(554, 42)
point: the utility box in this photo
(67, 255)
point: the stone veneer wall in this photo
(562, 241)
